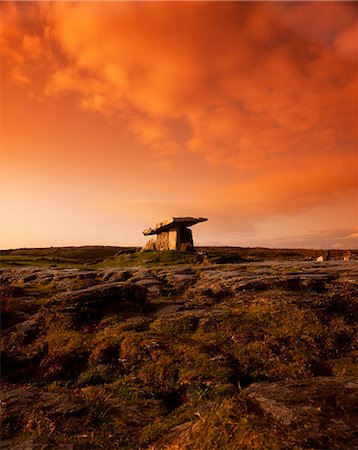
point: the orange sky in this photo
(116, 115)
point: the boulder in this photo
(315, 413)
(22, 399)
(57, 407)
(92, 303)
(150, 245)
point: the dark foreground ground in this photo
(179, 351)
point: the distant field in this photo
(61, 256)
(108, 256)
(262, 253)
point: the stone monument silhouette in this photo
(172, 234)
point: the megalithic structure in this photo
(172, 234)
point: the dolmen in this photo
(172, 234)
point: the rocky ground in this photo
(250, 355)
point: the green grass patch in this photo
(58, 256)
(150, 259)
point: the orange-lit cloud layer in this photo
(118, 114)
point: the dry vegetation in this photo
(169, 372)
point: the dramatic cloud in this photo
(252, 105)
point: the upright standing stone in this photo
(172, 234)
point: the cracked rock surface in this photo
(261, 353)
